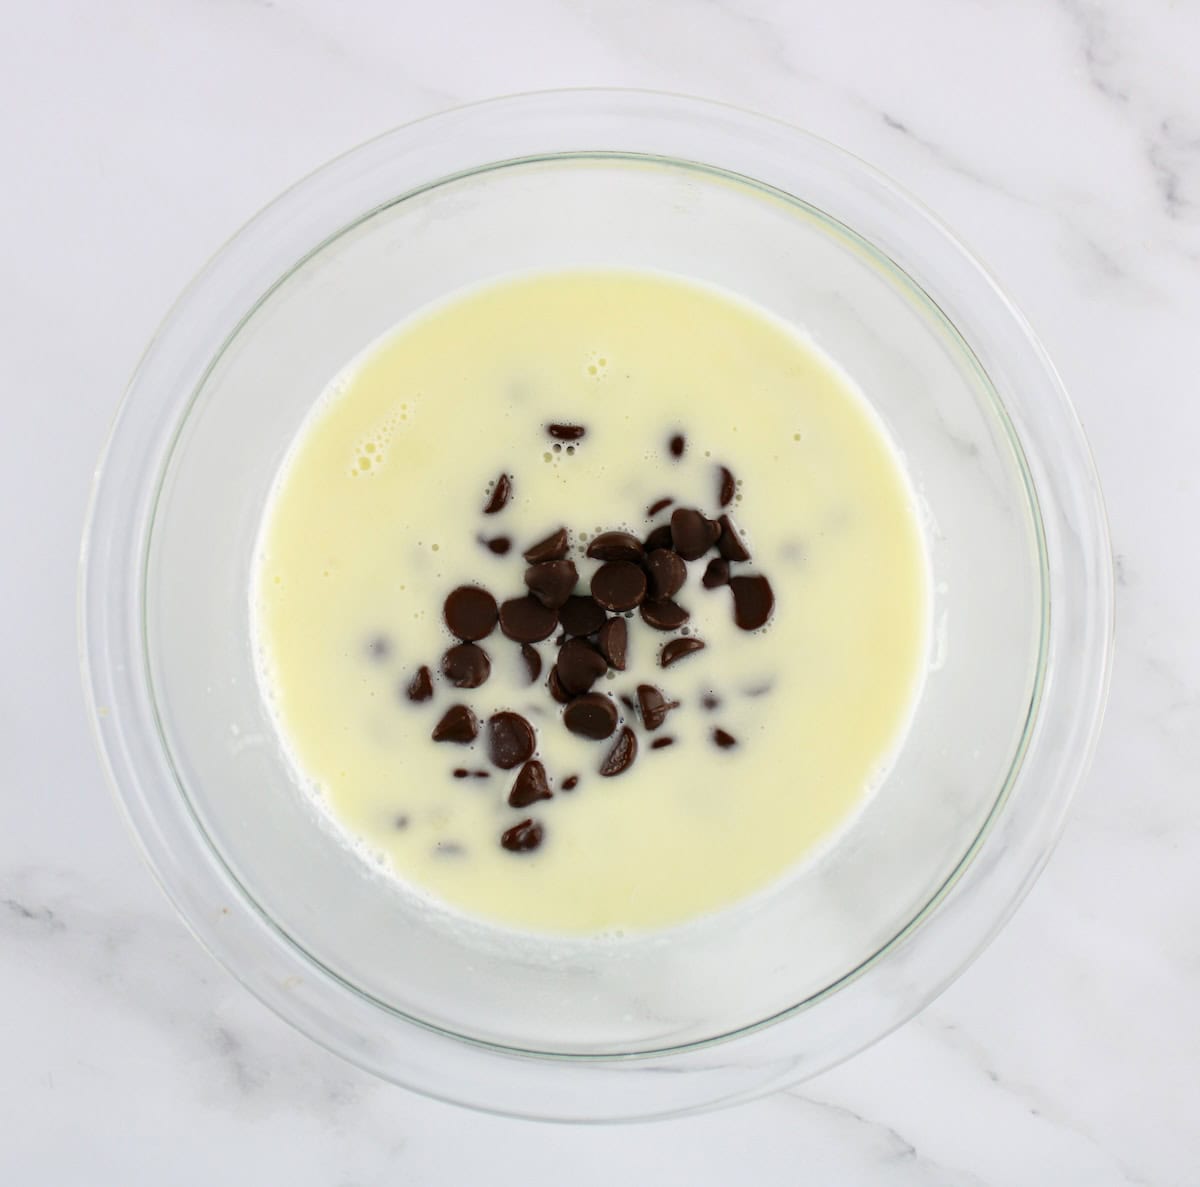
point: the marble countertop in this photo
(1061, 139)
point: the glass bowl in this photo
(755, 997)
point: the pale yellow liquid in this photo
(377, 516)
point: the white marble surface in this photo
(1061, 139)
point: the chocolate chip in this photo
(659, 743)
(470, 613)
(664, 614)
(693, 534)
(579, 666)
(466, 666)
(591, 716)
(526, 620)
(522, 837)
(660, 537)
(657, 506)
(753, 601)
(613, 642)
(620, 757)
(483, 774)
(628, 702)
(723, 739)
(461, 772)
(566, 432)
(582, 615)
(570, 783)
(677, 445)
(498, 544)
(759, 690)
(554, 684)
(619, 585)
(676, 649)
(653, 706)
(530, 786)
(729, 544)
(552, 548)
(510, 740)
(666, 573)
(500, 495)
(551, 582)
(726, 487)
(709, 701)
(716, 574)
(458, 724)
(401, 822)
(533, 662)
(449, 849)
(420, 687)
(615, 546)
(380, 648)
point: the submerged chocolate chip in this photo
(500, 495)
(613, 641)
(379, 648)
(498, 544)
(716, 574)
(660, 537)
(659, 743)
(470, 613)
(693, 534)
(723, 739)
(676, 649)
(579, 666)
(677, 445)
(554, 684)
(664, 614)
(615, 546)
(551, 582)
(729, 544)
(726, 487)
(619, 585)
(522, 837)
(654, 706)
(510, 739)
(566, 432)
(533, 662)
(458, 724)
(570, 783)
(709, 701)
(530, 786)
(552, 548)
(420, 687)
(753, 601)
(591, 716)
(620, 757)
(666, 573)
(658, 505)
(628, 702)
(581, 615)
(526, 620)
(466, 666)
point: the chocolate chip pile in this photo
(642, 575)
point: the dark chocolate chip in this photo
(458, 724)
(461, 772)
(659, 743)
(666, 572)
(729, 543)
(579, 666)
(726, 487)
(582, 615)
(566, 432)
(380, 648)
(530, 786)
(483, 774)
(676, 649)
(554, 684)
(613, 642)
(723, 739)
(709, 701)
(466, 666)
(551, 582)
(660, 537)
(615, 546)
(677, 445)
(693, 534)
(753, 601)
(591, 716)
(570, 783)
(552, 548)
(501, 493)
(658, 505)
(526, 620)
(533, 662)
(716, 574)
(510, 740)
(619, 585)
(420, 687)
(498, 544)
(470, 613)
(522, 837)
(628, 702)
(620, 757)
(654, 706)
(664, 614)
